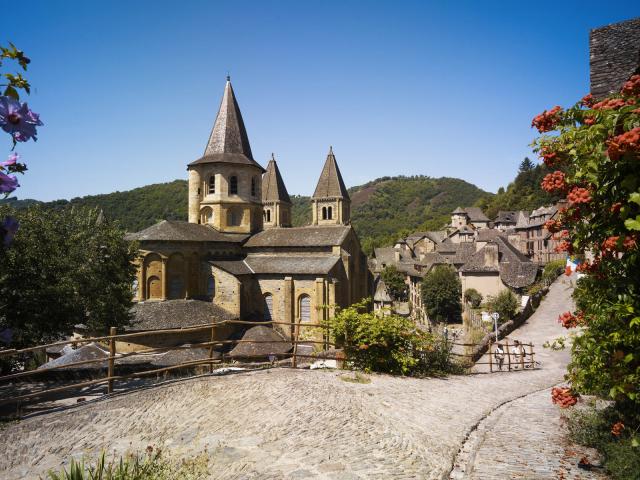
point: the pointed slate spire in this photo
(273, 188)
(330, 183)
(228, 141)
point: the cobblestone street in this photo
(282, 423)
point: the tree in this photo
(441, 292)
(526, 165)
(504, 303)
(473, 296)
(594, 149)
(394, 280)
(64, 268)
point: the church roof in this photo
(228, 142)
(174, 230)
(273, 188)
(175, 314)
(330, 183)
(279, 264)
(325, 236)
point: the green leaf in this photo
(632, 224)
(635, 442)
(635, 197)
(628, 357)
(11, 92)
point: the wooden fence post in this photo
(523, 352)
(490, 360)
(508, 353)
(533, 364)
(213, 335)
(294, 360)
(112, 356)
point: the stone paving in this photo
(288, 424)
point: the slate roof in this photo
(475, 214)
(516, 270)
(487, 234)
(382, 294)
(273, 343)
(614, 56)
(279, 264)
(152, 315)
(433, 258)
(330, 183)
(458, 210)
(273, 188)
(510, 217)
(228, 142)
(179, 231)
(90, 351)
(325, 236)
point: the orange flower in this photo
(568, 271)
(547, 120)
(617, 429)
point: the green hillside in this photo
(381, 210)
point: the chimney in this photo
(491, 255)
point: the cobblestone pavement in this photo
(288, 424)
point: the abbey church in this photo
(238, 249)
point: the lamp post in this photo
(495, 316)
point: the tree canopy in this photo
(441, 292)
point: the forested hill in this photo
(381, 210)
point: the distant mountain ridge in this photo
(381, 210)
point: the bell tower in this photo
(276, 203)
(330, 204)
(225, 184)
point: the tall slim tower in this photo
(276, 203)
(330, 204)
(225, 183)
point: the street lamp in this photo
(495, 316)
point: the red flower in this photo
(587, 100)
(568, 271)
(629, 242)
(611, 244)
(547, 120)
(564, 246)
(579, 195)
(563, 397)
(613, 104)
(615, 208)
(589, 120)
(627, 142)
(553, 226)
(617, 429)
(632, 86)
(554, 182)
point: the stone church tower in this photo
(225, 183)
(276, 203)
(330, 204)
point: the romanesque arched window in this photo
(268, 215)
(329, 213)
(233, 185)
(268, 306)
(324, 213)
(304, 305)
(211, 286)
(253, 186)
(212, 184)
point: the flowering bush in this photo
(595, 146)
(563, 397)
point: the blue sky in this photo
(129, 90)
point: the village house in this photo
(237, 256)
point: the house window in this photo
(329, 213)
(253, 186)
(324, 213)
(212, 184)
(233, 185)
(211, 287)
(305, 308)
(268, 306)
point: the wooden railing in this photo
(110, 341)
(511, 360)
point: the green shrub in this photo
(592, 428)
(388, 343)
(505, 303)
(472, 296)
(552, 270)
(441, 292)
(394, 280)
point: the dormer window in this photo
(233, 185)
(212, 184)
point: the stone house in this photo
(533, 239)
(238, 250)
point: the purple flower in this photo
(18, 120)
(8, 229)
(13, 158)
(8, 183)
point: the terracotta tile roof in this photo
(325, 236)
(179, 231)
(273, 188)
(228, 142)
(157, 315)
(330, 183)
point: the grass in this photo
(357, 377)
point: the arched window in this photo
(206, 215)
(233, 185)
(268, 306)
(253, 186)
(212, 184)
(329, 213)
(268, 215)
(234, 217)
(324, 213)
(211, 286)
(305, 308)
